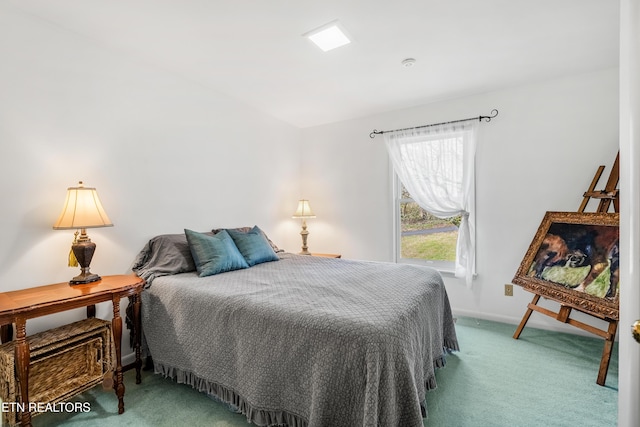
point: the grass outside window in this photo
(424, 236)
(436, 247)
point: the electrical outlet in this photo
(508, 290)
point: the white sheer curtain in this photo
(436, 164)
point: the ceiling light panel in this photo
(329, 36)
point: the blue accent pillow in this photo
(214, 254)
(253, 245)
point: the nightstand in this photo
(327, 255)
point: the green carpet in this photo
(544, 379)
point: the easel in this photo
(606, 196)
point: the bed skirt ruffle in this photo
(262, 417)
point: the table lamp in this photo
(304, 212)
(82, 210)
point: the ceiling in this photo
(253, 50)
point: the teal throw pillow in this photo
(214, 254)
(253, 245)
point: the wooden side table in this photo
(18, 306)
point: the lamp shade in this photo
(82, 209)
(304, 210)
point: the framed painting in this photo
(574, 260)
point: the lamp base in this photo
(83, 250)
(304, 233)
(84, 278)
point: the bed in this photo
(299, 340)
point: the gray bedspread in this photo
(305, 341)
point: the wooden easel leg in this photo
(525, 318)
(606, 352)
(591, 189)
(611, 185)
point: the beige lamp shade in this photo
(304, 210)
(82, 209)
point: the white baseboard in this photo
(535, 321)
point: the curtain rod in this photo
(494, 113)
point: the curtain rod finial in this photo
(375, 132)
(494, 114)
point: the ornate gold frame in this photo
(605, 308)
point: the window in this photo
(436, 166)
(421, 237)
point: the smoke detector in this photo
(408, 63)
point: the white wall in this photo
(163, 152)
(539, 154)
